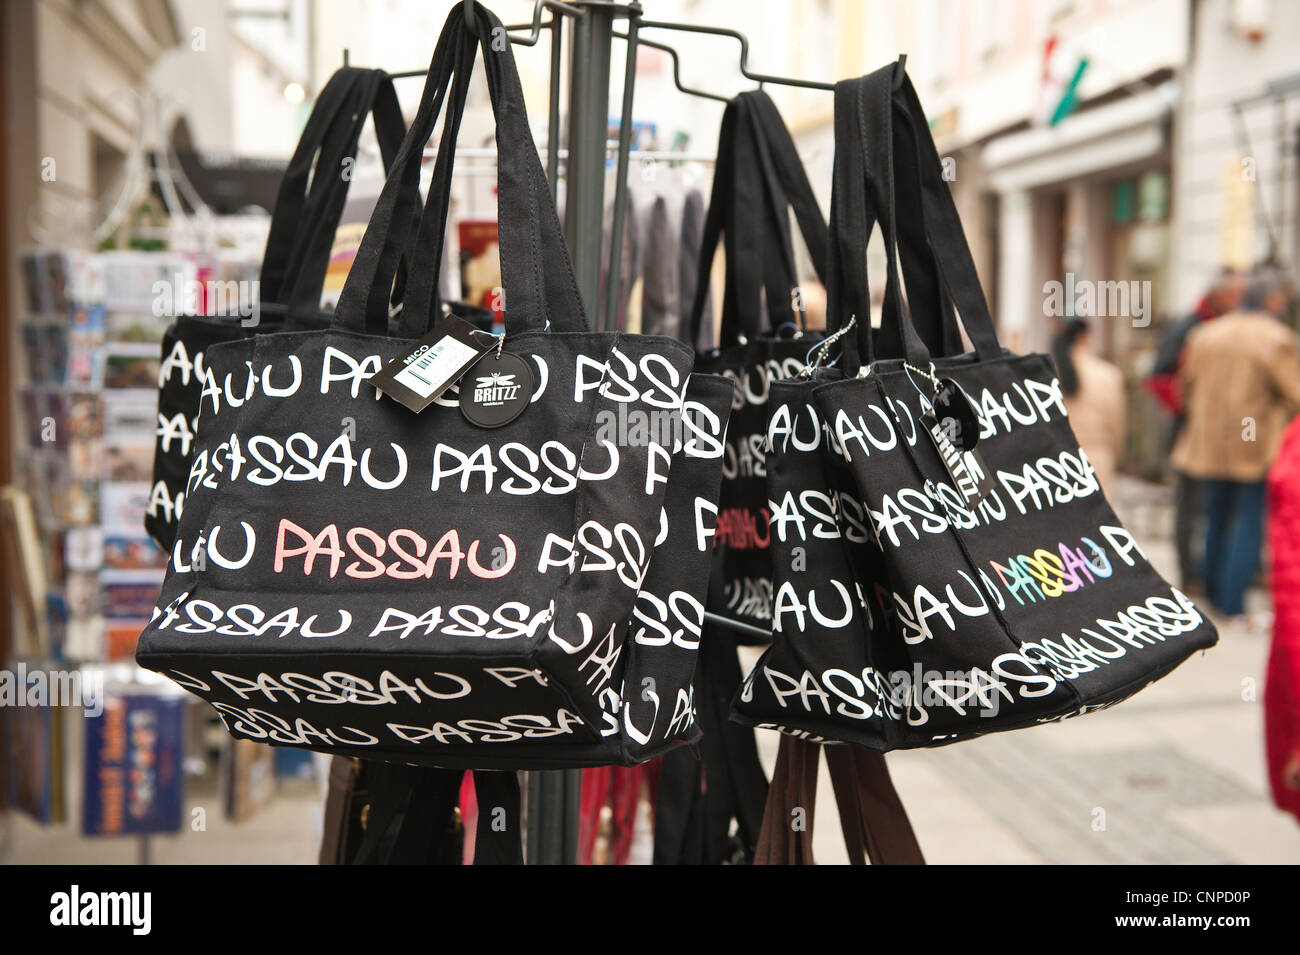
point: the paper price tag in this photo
(430, 366)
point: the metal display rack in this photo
(552, 797)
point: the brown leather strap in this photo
(786, 834)
(872, 816)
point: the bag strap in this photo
(889, 136)
(497, 837)
(757, 180)
(410, 816)
(291, 197)
(786, 834)
(872, 817)
(535, 266)
(943, 228)
(860, 200)
(375, 97)
(853, 214)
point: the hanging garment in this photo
(359, 578)
(1007, 593)
(630, 261)
(660, 307)
(688, 265)
(1282, 686)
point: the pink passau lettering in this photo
(402, 555)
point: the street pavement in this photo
(1173, 775)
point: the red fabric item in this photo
(1282, 686)
(1164, 388)
(624, 797)
(1167, 388)
(617, 788)
(468, 817)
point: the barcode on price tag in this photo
(425, 369)
(431, 371)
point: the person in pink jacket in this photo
(1282, 687)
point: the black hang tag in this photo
(430, 366)
(956, 414)
(970, 476)
(496, 391)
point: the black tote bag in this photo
(1006, 592)
(306, 214)
(354, 577)
(757, 181)
(825, 564)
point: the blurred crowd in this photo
(1229, 376)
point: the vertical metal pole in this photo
(553, 106)
(554, 797)
(613, 279)
(584, 196)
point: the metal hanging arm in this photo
(744, 53)
(677, 73)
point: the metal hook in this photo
(900, 72)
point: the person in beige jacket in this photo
(1240, 380)
(1094, 399)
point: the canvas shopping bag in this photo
(1004, 592)
(757, 181)
(357, 577)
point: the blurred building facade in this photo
(1129, 147)
(1094, 141)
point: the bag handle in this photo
(291, 198)
(898, 157)
(943, 228)
(853, 214)
(375, 97)
(535, 266)
(422, 308)
(872, 817)
(859, 202)
(758, 179)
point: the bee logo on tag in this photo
(503, 386)
(495, 389)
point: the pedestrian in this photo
(1094, 398)
(1282, 685)
(1240, 380)
(1223, 297)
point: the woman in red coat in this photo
(1282, 689)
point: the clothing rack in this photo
(552, 797)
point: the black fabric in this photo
(353, 577)
(307, 211)
(688, 264)
(976, 616)
(410, 816)
(758, 179)
(710, 800)
(498, 839)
